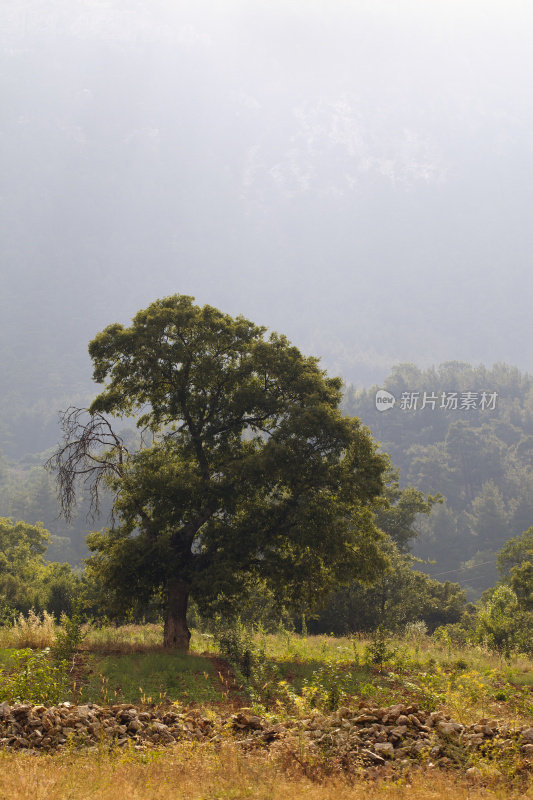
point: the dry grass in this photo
(33, 630)
(191, 772)
(124, 639)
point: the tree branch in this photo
(91, 452)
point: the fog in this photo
(356, 175)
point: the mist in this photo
(355, 175)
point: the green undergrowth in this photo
(6, 657)
(275, 673)
(290, 674)
(152, 678)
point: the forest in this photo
(458, 487)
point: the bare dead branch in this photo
(91, 453)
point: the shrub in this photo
(235, 643)
(502, 625)
(378, 652)
(68, 637)
(35, 678)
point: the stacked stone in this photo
(368, 735)
(39, 727)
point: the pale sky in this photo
(357, 175)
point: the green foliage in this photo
(34, 678)
(21, 562)
(331, 685)
(502, 626)
(379, 650)
(515, 552)
(515, 562)
(396, 514)
(236, 644)
(480, 461)
(28, 493)
(488, 518)
(252, 472)
(454, 634)
(521, 582)
(68, 637)
(7, 611)
(401, 594)
(27, 581)
(61, 589)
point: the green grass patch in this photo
(521, 678)
(292, 647)
(6, 657)
(152, 677)
(303, 673)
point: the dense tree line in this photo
(479, 460)
(462, 490)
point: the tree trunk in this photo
(176, 633)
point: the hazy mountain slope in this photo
(357, 176)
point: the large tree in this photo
(246, 466)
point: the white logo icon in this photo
(384, 400)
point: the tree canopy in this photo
(21, 562)
(247, 468)
(477, 458)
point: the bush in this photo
(236, 645)
(35, 678)
(502, 625)
(378, 651)
(453, 635)
(68, 637)
(7, 612)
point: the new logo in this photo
(384, 400)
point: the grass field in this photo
(201, 773)
(128, 664)
(152, 677)
(290, 675)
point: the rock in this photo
(527, 735)
(376, 736)
(365, 718)
(399, 731)
(20, 710)
(242, 721)
(127, 715)
(384, 749)
(159, 727)
(419, 747)
(395, 711)
(344, 712)
(373, 757)
(474, 774)
(449, 728)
